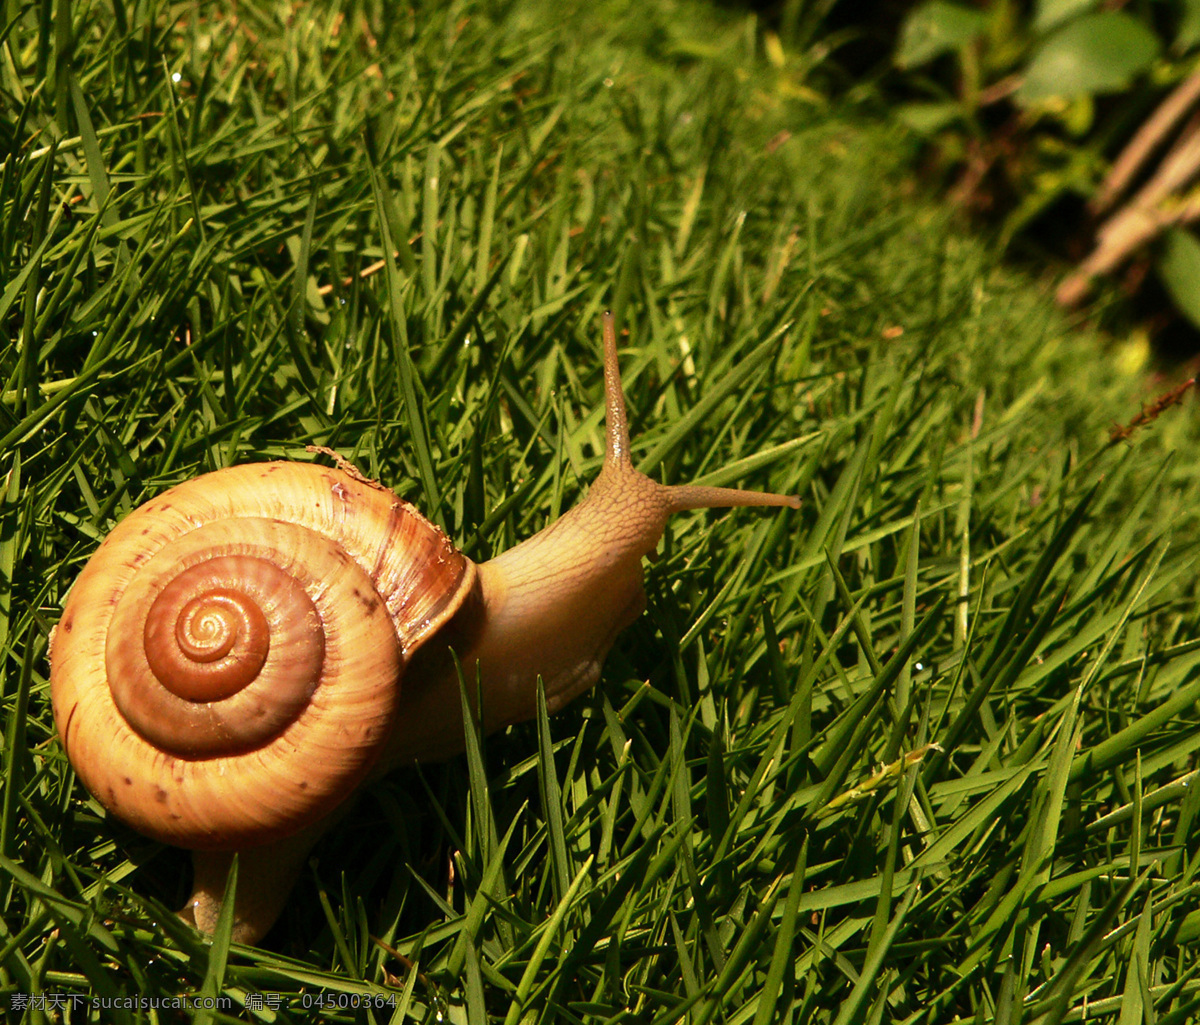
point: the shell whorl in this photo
(228, 664)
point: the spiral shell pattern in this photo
(229, 662)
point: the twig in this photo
(344, 464)
(1150, 413)
(1126, 166)
(1122, 236)
(1177, 169)
(998, 91)
(430, 986)
(1141, 219)
(366, 272)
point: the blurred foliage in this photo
(1068, 125)
(925, 749)
(1052, 119)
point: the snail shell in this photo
(228, 665)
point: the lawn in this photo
(922, 750)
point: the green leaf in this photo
(782, 951)
(218, 955)
(928, 118)
(934, 28)
(548, 932)
(1179, 268)
(551, 794)
(1052, 12)
(1098, 53)
(1189, 26)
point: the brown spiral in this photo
(232, 645)
(220, 638)
(229, 663)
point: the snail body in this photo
(243, 651)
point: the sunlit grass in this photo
(923, 749)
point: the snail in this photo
(243, 651)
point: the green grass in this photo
(923, 750)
